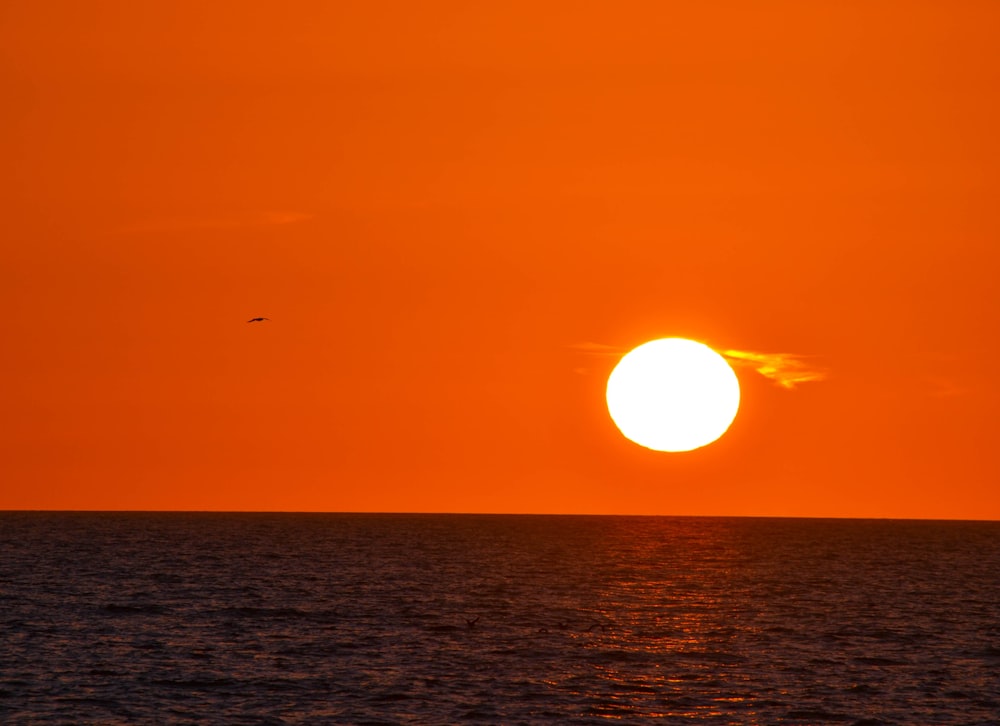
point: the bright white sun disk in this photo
(673, 394)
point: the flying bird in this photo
(257, 320)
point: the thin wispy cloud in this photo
(595, 349)
(598, 349)
(785, 369)
(942, 387)
(234, 221)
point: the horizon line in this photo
(493, 514)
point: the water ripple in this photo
(387, 619)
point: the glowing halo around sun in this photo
(673, 394)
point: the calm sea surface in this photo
(445, 619)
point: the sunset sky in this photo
(459, 215)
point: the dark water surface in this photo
(338, 618)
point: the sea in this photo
(184, 618)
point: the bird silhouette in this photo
(257, 320)
(471, 622)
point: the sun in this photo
(673, 394)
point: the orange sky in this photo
(452, 212)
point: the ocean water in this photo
(152, 618)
